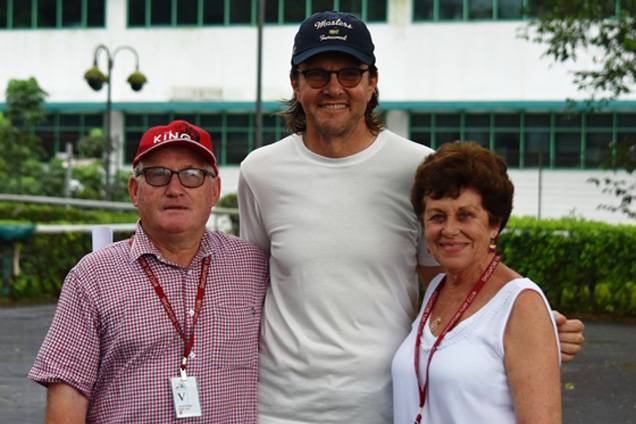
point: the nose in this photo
(174, 185)
(450, 227)
(333, 85)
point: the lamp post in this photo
(96, 79)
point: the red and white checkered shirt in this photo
(112, 340)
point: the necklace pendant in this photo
(436, 322)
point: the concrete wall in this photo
(562, 194)
(480, 61)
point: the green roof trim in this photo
(420, 106)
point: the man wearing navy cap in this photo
(330, 206)
(164, 325)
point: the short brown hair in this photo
(460, 165)
(296, 121)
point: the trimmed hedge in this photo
(11, 212)
(583, 267)
(45, 259)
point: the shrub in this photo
(583, 267)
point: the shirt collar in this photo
(141, 245)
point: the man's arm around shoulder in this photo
(65, 404)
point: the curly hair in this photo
(296, 121)
(461, 165)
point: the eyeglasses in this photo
(158, 176)
(318, 78)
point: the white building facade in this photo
(448, 70)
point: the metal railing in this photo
(219, 216)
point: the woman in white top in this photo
(486, 342)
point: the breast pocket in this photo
(236, 330)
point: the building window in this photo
(47, 14)
(507, 138)
(175, 13)
(232, 133)
(451, 10)
(161, 12)
(40, 14)
(3, 14)
(536, 135)
(72, 13)
(187, 12)
(136, 12)
(510, 9)
(625, 131)
(480, 10)
(567, 140)
(62, 128)
(214, 12)
(22, 14)
(529, 139)
(477, 127)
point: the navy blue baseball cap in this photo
(333, 32)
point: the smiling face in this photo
(174, 210)
(334, 111)
(458, 232)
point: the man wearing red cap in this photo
(330, 206)
(164, 325)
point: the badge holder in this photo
(185, 394)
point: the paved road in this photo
(598, 388)
(22, 330)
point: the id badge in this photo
(185, 394)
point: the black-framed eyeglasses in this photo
(318, 78)
(159, 176)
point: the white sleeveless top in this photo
(468, 381)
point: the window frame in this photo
(273, 8)
(86, 20)
(555, 130)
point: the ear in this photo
(295, 85)
(216, 190)
(495, 230)
(373, 83)
(133, 187)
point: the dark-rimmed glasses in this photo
(159, 176)
(318, 78)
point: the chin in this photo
(173, 230)
(452, 261)
(174, 226)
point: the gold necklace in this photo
(436, 322)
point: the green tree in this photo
(93, 144)
(24, 103)
(20, 168)
(605, 33)
(119, 186)
(55, 178)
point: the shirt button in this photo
(191, 312)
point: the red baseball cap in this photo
(177, 133)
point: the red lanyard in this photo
(427, 312)
(203, 279)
